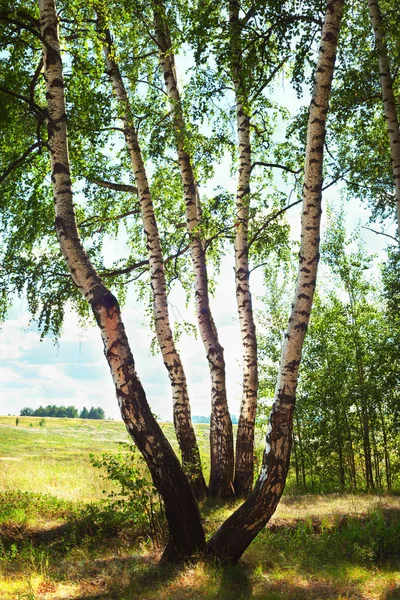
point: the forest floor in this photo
(57, 540)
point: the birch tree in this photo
(360, 147)
(388, 98)
(49, 105)
(243, 481)
(252, 516)
(181, 405)
(221, 435)
(181, 509)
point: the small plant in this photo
(42, 423)
(17, 421)
(136, 500)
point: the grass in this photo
(58, 541)
(54, 459)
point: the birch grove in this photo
(103, 129)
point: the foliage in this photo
(346, 421)
(135, 500)
(69, 412)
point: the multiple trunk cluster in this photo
(186, 532)
(221, 435)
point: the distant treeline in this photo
(202, 419)
(69, 412)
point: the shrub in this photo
(136, 500)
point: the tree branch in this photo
(270, 78)
(98, 219)
(382, 233)
(275, 165)
(35, 80)
(111, 185)
(38, 110)
(125, 270)
(4, 16)
(16, 163)
(272, 218)
(142, 263)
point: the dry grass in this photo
(321, 506)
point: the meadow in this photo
(60, 540)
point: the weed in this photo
(136, 498)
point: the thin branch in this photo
(98, 219)
(146, 55)
(270, 78)
(38, 110)
(153, 85)
(111, 185)
(250, 13)
(209, 241)
(335, 180)
(16, 163)
(142, 263)
(258, 266)
(274, 216)
(304, 19)
(5, 17)
(382, 233)
(275, 165)
(35, 80)
(125, 270)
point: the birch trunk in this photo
(389, 102)
(221, 436)
(244, 465)
(388, 469)
(303, 466)
(296, 461)
(186, 532)
(230, 541)
(351, 448)
(172, 361)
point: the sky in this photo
(35, 372)
(75, 372)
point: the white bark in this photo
(244, 465)
(389, 101)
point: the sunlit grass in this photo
(55, 546)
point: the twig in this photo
(16, 163)
(382, 233)
(275, 165)
(274, 216)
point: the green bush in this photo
(136, 499)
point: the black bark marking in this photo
(59, 168)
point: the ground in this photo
(58, 540)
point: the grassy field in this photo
(58, 540)
(54, 458)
